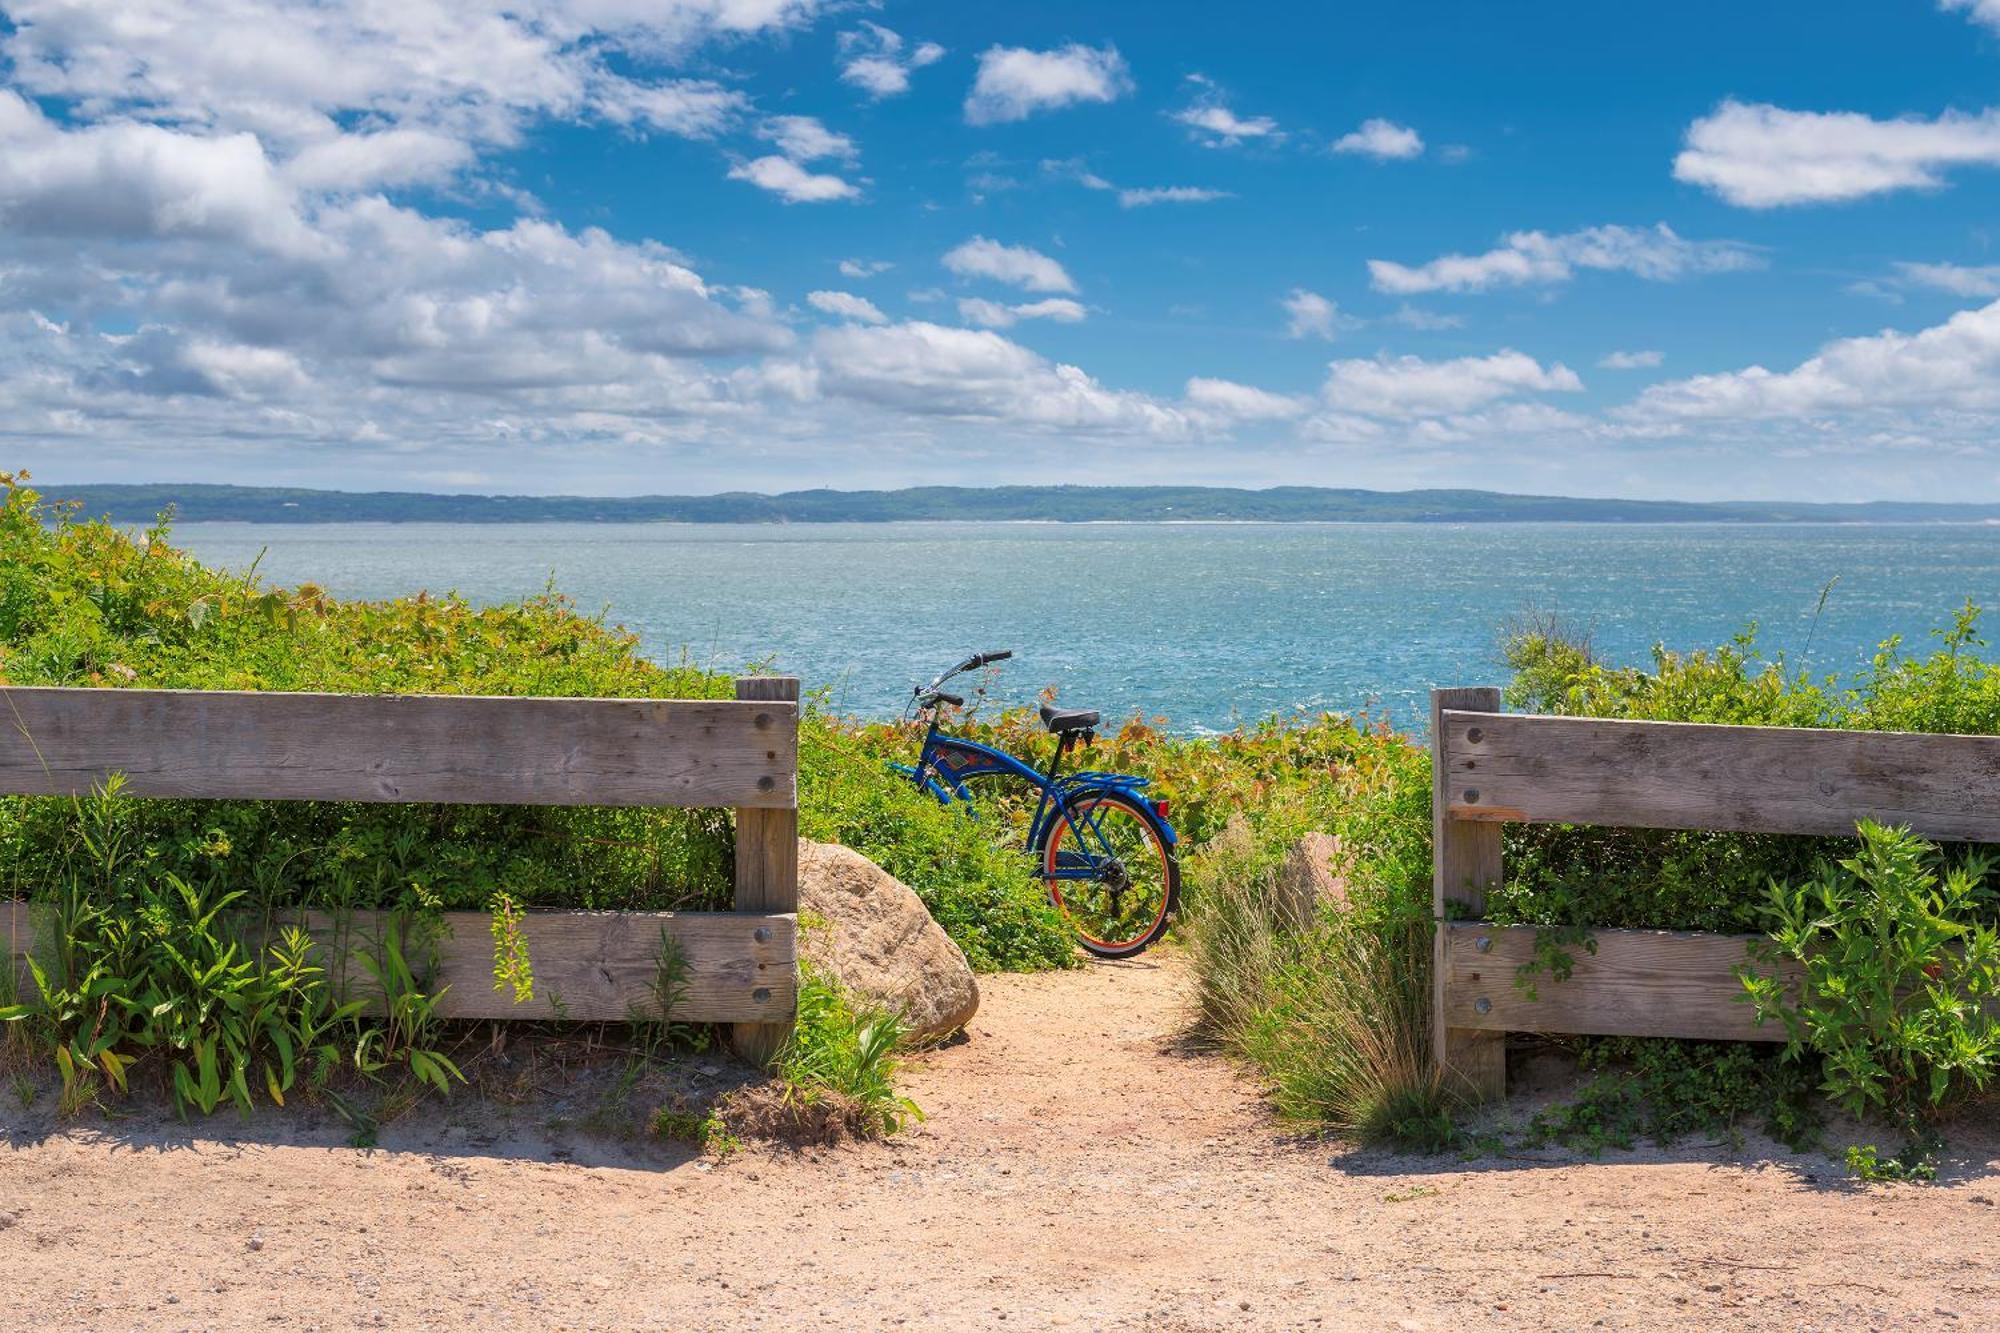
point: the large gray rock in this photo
(872, 932)
(1313, 876)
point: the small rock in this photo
(256, 1242)
(1310, 877)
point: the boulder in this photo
(868, 929)
(1312, 877)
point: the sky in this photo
(684, 246)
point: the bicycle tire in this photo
(1087, 912)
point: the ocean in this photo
(1205, 625)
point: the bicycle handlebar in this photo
(933, 694)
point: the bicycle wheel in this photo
(1111, 873)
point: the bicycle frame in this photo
(947, 763)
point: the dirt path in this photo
(1078, 1169)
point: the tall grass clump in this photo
(1334, 1008)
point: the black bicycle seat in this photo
(1062, 720)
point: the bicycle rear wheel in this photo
(1111, 873)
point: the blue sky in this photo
(603, 246)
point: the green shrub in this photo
(1886, 1016)
(1900, 976)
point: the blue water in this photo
(1205, 625)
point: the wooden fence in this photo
(737, 967)
(1490, 768)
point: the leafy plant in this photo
(513, 969)
(1898, 976)
(846, 1050)
(142, 963)
(704, 1127)
(407, 1032)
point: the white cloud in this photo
(1657, 255)
(847, 305)
(864, 268)
(1982, 280)
(1310, 315)
(1169, 194)
(1424, 321)
(1409, 386)
(1644, 360)
(1228, 401)
(874, 60)
(691, 108)
(1985, 12)
(792, 182)
(1383, 140)
(1949, 367)
(381, 159)
(994, 315)
(930, 370)
(1217, 126)
(297, 75)
(1014, 83)
(805, 139)
(1076, 169)
(1016, 265)
(1763, 156)
(141, 182)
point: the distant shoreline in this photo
(1025, 505)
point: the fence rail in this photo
(736, 967)
(1491, 768)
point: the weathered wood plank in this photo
(1639, 983)
(1465, 863)
(453, 749)
(588, 966)
(1508, 767)
(767, 866)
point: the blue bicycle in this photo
(1102, 845)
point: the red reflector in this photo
(1160, 809)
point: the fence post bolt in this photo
(1484, 944)
(1482, 1005)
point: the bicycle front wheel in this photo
(1111, 873)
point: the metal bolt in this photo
(1484, 943)
(762, 995)
(762, 721)
(767, 783)
(1482, 1005)
(762, 934)
(1472, 796)
(1475, 735)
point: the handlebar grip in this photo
(1000, 656)
(954, 700)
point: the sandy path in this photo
(1077, 1169)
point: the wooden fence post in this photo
(767, 868)
(1465, 860)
